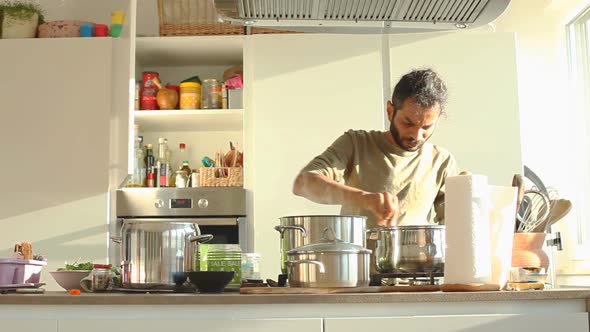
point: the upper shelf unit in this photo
(190, 120)
(190, 50)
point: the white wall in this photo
(482, 126)
(547, 126)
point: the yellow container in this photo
(190, 96)
(117, 17)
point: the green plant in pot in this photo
(20, 19)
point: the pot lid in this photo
(329, 244)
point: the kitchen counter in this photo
(63, 298)
(547, 310)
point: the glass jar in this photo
(101, 277)
(221, 257)
(195, 178)
(211, 94)
(190, 95)
(250, 266)
(149, 90)
(181, 179)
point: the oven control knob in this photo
(203, 203)
(159, 203)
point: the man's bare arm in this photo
(321, 189)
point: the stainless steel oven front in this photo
(162, 218)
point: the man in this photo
(393, 177)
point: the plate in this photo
(16, 286)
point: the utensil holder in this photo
(527, 250)
(221, 177)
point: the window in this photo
(578, 40)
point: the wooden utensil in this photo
(559, 209)
(518, 181)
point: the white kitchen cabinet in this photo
(482, 128)
(241, 325)
(204, 131)
(307, 89)
(29, 325)
(574, 322)
(63, 136)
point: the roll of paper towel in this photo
(468, 254)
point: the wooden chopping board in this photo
(338, 290)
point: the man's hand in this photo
(384, 206)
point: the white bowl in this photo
(69, 279)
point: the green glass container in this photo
(221, 257)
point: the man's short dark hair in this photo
(424, 85)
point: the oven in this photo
(218, 211)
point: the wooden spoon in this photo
(559, 209)
(518, 181)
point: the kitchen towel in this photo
(502, 219)
(467, 220)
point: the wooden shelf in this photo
(190, 120)
(189, 50)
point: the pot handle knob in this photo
(281, 229)
(201, 238)
(308, 261)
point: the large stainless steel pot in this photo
(153, 251)
(297, 231)
(407, 249)
(328, 263)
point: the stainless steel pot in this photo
(153, 251)
(297, 231)
(407, 249)
(328, 263)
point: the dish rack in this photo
(198, 18)
(221, 177)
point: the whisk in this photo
(535, 209)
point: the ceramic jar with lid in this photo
(190, 95)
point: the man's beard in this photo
(400, 142)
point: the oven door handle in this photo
(230, 221)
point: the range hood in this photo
(361, 16)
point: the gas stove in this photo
(408, 279)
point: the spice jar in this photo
(101, 277)
(181, 179)
(211, 94)
(149, 90)
(190, 95)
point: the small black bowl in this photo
(179, 278)
(211, 281)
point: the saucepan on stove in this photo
(297, 231)
(407, 249)
(330, 262)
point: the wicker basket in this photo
(232, 177)
(197, 18)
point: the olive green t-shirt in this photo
(367, 160)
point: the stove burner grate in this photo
(414, 279)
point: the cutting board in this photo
(469, 287)
(338, 290)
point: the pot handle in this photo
(116, 239)
(308, 261)
(201, 238)
(281, 229)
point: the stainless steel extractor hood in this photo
(361, 16)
